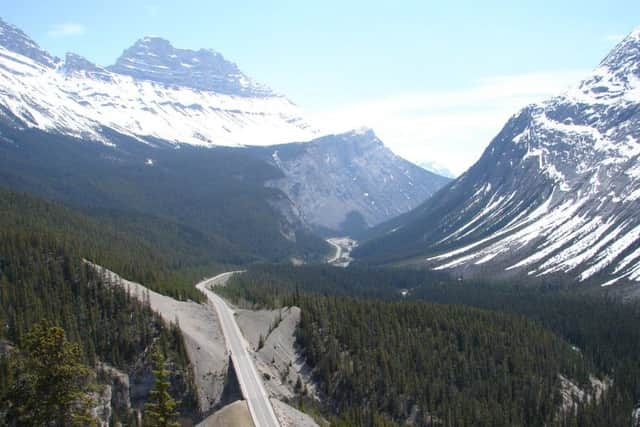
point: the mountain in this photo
(557, 191)
(344, 184)
(438, 169)
(156, 60)
(160, 98)
(201, 204)
(154, 91)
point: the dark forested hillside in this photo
(452, 365)
(43, 277)
(271, 284)
(160, 263)
(450, 343)
(208, 204)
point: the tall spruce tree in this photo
(160, 411)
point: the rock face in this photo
(15, 40)
(101, 409)
(119, 385)
(572, 395)
(635, 417)
(342, 184)
(291, 417)
(154, 91)
(556, 192)
(155, 59)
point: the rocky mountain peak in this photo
(15, 40)
(75, 62)
(156, 59)
(363, 138)
(618, 75)
(626, 53)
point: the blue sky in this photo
(436, 80)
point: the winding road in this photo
(250, 382)
(344, 246)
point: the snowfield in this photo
(78, 98)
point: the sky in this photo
(435, 80)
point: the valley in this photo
(183, 245)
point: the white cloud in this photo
(67, 29)
(614, 37)
(448, 128)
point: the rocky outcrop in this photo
(573, 395)
(101, 408)
(119, 384)
(202, 335)
(635, 417)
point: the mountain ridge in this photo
(554, 192)
(209, 102)
(156, 59)
(158, 96)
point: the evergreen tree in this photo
(50, 385)
(161, 408)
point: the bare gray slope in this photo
(343, 184)
(202, 335)
(253, 390)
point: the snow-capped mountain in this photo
(159, 95)
(156, 60)
(342, 184)
(154, 91)
(556, 191)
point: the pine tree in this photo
(161, 409)
(51, 383)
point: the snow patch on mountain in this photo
(556, 192)
(197, 98)
(585, 143)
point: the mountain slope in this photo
(343, 184)
(161, 97)
(556, 192)
(154, 91)
(215, 199)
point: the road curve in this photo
(338, 254)
(343, 246)
(250, 382)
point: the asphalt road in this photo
(344, 246)
(338, 254)
(250, 381)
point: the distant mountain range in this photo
(557, 192)
(138, 135)
(437, 169)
